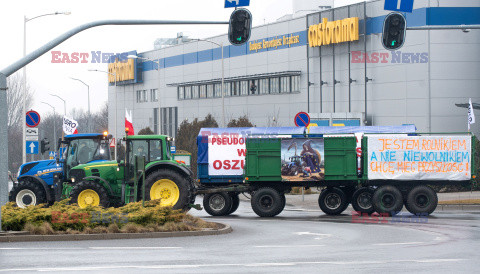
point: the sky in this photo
(45, 77)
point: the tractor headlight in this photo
(72, 179)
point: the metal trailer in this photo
(341, 168)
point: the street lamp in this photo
(64, 103)
(54, 127)
(223, 77)
(89, 114)
(25, 20)
(114, 74)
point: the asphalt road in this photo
(297, 240)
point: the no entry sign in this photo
(302, 119)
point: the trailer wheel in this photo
(421, 200)
(387, 199)
(333, 201)
(218, 204)
(362, 200)
(267, 202)
(235, 203)
(170, 187)
(88, 193)
(27, 193)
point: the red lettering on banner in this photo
(241, 152)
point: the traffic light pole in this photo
(4, 73)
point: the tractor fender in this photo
(105, 183)
(178, 168)
(41, 182)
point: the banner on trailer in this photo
(226, 154)
(419, 157)
(302, 159)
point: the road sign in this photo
(31, 131)
(399, 5)
(31, 138)
(302, 119)
(236, 3)
(32, 147)
(112, 142)
(52, 155)
(33, 118)
(173, 149)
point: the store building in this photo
(341, 75)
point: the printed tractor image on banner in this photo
(302, 159)
(419, 157)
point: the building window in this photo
(169, 121)
(295, 83)
(274, 85)
(218, 91)
(203, 92)
(285, 84)
(263, 86)
(141, 96)
(226, 89)
(244, 88)
(210, 89)
(154, 95)
(236, 88)
(195, 92)
(181, 93)
(188, 92)
(253, 87)
(155, 120)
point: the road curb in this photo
(10, 237)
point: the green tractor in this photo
(116, 183)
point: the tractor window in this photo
(82, 151)
(138, 148)
(155, 150)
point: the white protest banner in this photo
(226, 154)
(419, 157)
(69, 126)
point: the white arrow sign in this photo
(32, 147)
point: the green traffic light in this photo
(393, 42)
(239, 39)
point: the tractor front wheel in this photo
(170, 187)
(89, 193)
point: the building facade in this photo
(330, 64)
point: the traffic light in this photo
(44, 145)
(394, 31)
(240, 27)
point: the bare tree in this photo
(15, 99)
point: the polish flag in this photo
(128, 123)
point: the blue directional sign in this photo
(32, 118)
(173, 149)
(399, 5)
(32, 147)
(236, 3)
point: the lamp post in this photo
(114, 74)
(64, 110)
(89, 114)
(24, 109)
(54, 125)
(223, 77)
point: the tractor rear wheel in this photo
(27, 193)
(333, 201)
(387, 199)
(362, 200)
(170, 187)
(267, 202)
(89, 193)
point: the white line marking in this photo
(265, 264)
(410, 243)
(282, 246)
(40, 248)
(134, 247)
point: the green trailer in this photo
(373, 172)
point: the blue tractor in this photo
(41, 182)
